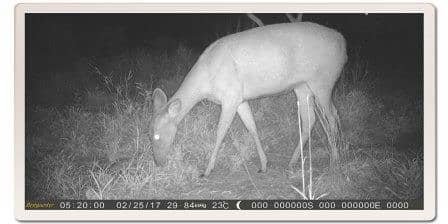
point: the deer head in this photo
(164, 126)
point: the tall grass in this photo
(100, 146)
(371, 165)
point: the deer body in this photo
(304, 57)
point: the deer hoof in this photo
(290, 165)
(290, 169)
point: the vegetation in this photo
(97, 144)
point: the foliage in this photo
(99, 147)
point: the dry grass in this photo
(100, 147)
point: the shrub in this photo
(100, 147)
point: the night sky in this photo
(55, 42)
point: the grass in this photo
(98, 145)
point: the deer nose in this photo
(159, 159)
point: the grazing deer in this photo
(263, 61)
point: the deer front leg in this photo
(227, 113)
(248, 119)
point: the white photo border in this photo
(428, 213)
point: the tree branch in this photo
(255, 19)
(292, 19)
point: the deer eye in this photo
(156, 137)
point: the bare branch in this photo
(292, 19)
(255, 19)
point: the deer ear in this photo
(174, 107)
(159, 98)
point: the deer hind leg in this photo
(227, 113)
(330, 116)
(248, 119)
(306, 118)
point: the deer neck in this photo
(189, 94)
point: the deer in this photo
(304, 57)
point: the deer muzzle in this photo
(160, 159)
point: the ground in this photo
(97, 144)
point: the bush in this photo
(100, 146)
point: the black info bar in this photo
(225, 205)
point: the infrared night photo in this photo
(235, 106)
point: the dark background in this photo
(55, 43)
